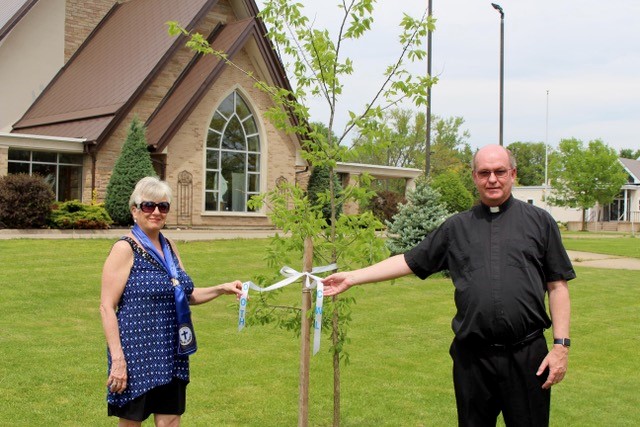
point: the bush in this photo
(423, 212)
(77, 215)
(453, 193)
(133, 164)
(25, 201)
(384, 205)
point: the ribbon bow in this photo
(292, 276)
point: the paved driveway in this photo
(588, 259)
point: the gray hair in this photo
(151, 188)
(512, 159)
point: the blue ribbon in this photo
(186, 335)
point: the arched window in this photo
(232, 157)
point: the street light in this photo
(499, 9)
(427, 165)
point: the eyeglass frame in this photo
(163, 207)
(499, 173)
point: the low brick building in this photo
(106, 62)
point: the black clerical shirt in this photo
(499, 263)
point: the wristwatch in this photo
(564, 341)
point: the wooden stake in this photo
(305, 334)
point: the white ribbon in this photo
(292, 276)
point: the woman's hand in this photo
(203, 295)
(234, 287)
(117, 381)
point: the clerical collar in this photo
(501, 208)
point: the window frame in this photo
(215, 152)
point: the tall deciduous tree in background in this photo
(401, 142)
(453, 193)
(133, 164)
(583, 177)
(630, 153)
(318, 67)
(531, 161)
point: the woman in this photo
(144, 308)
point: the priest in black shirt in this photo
(503, 255)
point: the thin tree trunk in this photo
(305, 333)
(336, 367)
(334, 319)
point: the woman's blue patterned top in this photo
(148, 331)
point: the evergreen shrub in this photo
(133, 164)
(74, 214)
(423, 213)
(318, 189)
(25, 201)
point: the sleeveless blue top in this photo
(148, 332)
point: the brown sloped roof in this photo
(103, 79)
(194, 82)
(202, 72)
(11, 12)
(633, 166)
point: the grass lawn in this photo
(53, 368)
(619, 245)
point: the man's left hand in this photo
(557, 361)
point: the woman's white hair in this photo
(150, 188)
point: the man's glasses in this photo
(150, 207)
(500, 173)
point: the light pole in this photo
(427, 165)
(499, 9)
(546, 156)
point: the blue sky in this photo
(586, 54)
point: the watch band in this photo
(564, 341)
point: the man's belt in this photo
(521, 342)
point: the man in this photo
(503, 256)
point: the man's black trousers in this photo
(492, 379)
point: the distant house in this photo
(74, 73)
(623, 214)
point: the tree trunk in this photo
(336, 368)
(305, 333)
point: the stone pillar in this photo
(4, 161)
(351, 207)
(409, 185)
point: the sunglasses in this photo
(150, 207)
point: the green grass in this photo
(620, 245)
(52, 351)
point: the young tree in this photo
(133, 164)
(531, 162)
(581, 177)
(318, 68)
